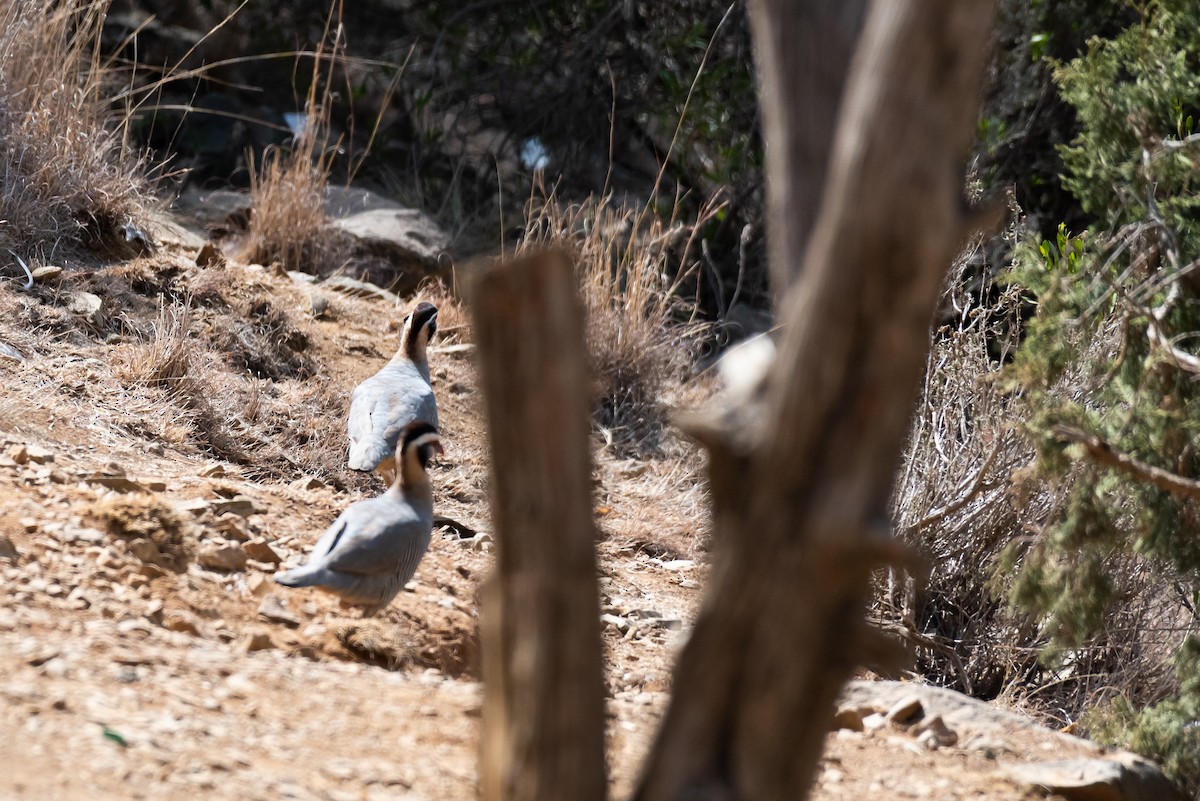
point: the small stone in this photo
(196, 506)
(273, 611)
(81, 534)
(215, 470)
(256, 641)
(233, 527)
(221, 557)
(261, 551)
(145, 550)
(905, 711)
(85, 304)
(679, 564)
(307, 482)
(39, 455)
(617, 622)
(874, 722)
(848, 718)
(257, 584)
(47, 274)
(155, 485)
(181, 621)
(7, 549)
(933, 733)
(19, 454)
(238, 505)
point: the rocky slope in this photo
(170, 433)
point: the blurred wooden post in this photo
(543, 711)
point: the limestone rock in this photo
(47, 274)
(933, 733)
(402, 235)
(905, 711)
(261, 551)
(221, 557)
(1130, 779)
(848, 718)
(238, 505)
(256, 641)
(85, 304)
(272, 610)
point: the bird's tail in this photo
(300, 577)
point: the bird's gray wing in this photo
(381, 407)
(367, 424)
(378, 540)
(329, 539)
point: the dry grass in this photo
(642, 335)
(288, 223)
(68, 174)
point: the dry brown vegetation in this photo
(68, 173)
(289, 224)
(643, 337)
(965, 494)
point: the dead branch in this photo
(1103, 453)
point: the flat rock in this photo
(848, 718)
(238, 505)
(905, 711)
(256, 641)
(272, 610)
(47, 274)
(1129, 779)
(261, 551)
(221, 557)
(405, 237)
(85, 304)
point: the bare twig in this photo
(1104, 454)
(976, 485)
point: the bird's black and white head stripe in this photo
(422, 319)
(421, 438)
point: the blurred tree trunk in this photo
(800, 474)
(802, 50)
(543, 710)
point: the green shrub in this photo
(1110, 367)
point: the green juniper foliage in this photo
(1114, 350)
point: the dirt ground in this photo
(145, 653)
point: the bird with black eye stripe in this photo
(373, 548)
(399, 394)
